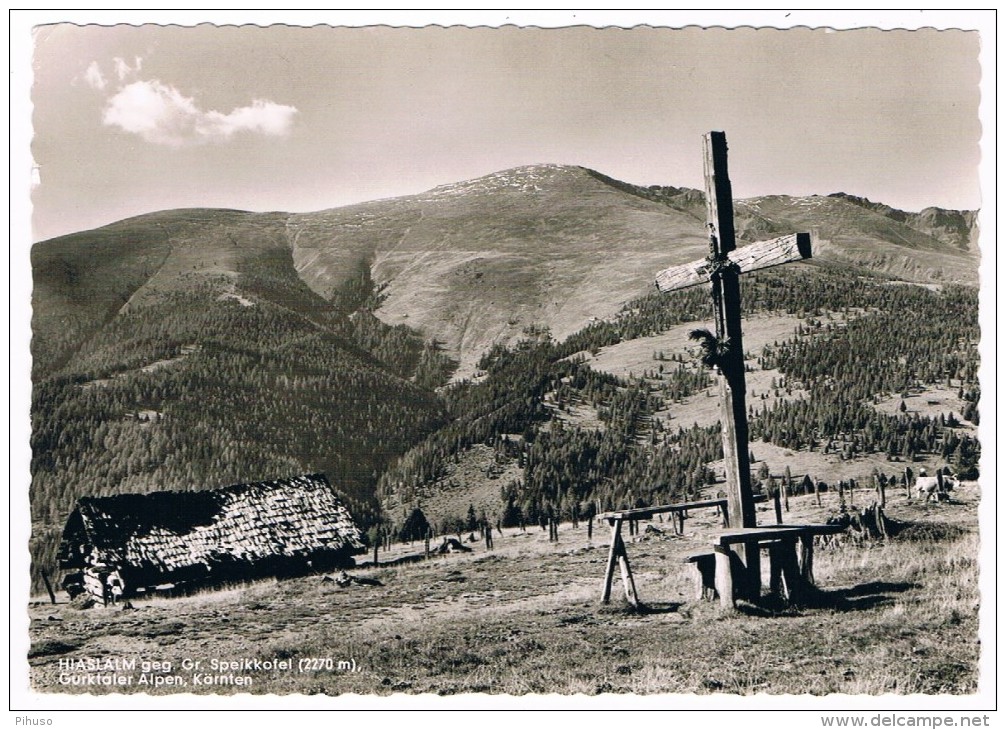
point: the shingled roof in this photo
(238, 531)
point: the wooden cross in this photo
(722, 268)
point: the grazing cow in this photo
(929, 488)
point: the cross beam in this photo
(722, 269)
(762, 255)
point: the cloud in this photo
(123, 70)
(161, 114)
(94, 77)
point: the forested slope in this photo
(863, 340)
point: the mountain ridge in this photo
(955, 227)
(473, 263)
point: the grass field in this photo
(634, 357)
(894, 617)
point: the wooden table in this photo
(733, 569)
(737, 559)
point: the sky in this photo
(130, 119)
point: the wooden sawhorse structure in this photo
(617, 553)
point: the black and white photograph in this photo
(462, 360)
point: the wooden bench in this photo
(705, 575)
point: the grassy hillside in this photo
(474, 263)
(81, 281)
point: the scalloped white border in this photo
(799, 712)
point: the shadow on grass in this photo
(770, 606)
(857, 598)
(875, 587)
(657, 607)
(652, 608)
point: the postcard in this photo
(510, 359)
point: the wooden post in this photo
(727, 311)
(817, 493)
(724, 576)
(48, 587)
(879, 520)
(791, 574)
(627, 582)
(705, 576)
(806, 561)
(377, 543)
(590, 529)
(852, 486)
(749, 583)
(778, 506)
(609, 571)
(722, 269)
(775, 563)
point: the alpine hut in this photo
(128, 544)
